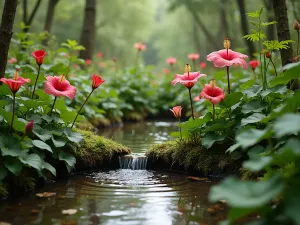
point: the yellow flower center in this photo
(16, 75)
(62, 78)
(188, 69)
(213, 83)
(226, 43)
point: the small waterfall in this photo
(133, 162)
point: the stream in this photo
(118, 197)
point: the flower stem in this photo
(228, 80)
(213, 112)
(194, 65)
(265, 82)
(39, 68)
(13, 114)
(81, 108)
(298, 34)
(254, 76)
(191, 101)
(274, 67)
(180, 130)
(52, 106)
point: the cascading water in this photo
(133, 162)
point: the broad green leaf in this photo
(59, 142)
(254, 118)
(4, 90)
(251, 136)
(247, 194)
(291, 73)
(10, 146)
(210, 138)
(73, 136)
(258, 164)
(32, 160)
(3, 172)
(291, 204)
(254, 106)
(49, 167)
(13, 165)
(289, 152)
(18, 124)
(231, 99)
(41, 145)
(67, 157)
(253, 91)
(236, 213)
(44, 135)
(287, 124)
(275, 91)
(234, 147)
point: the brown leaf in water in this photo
(45, 194)
(197, 178)
(61, 197)
(69, 211)
(34, 211)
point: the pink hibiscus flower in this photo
(140, 46)
(177, 111)
(212, 93)
(59, 86)
(187, 79)
(194, 56)
(227, 57)
(203, 65)
(16, 82)
(12, 60)
(254, 64)
(171, 60)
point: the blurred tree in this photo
(270, 17)
(6, 31)
(88, 33)
(244, 26)
(224, 27)
(28, 19)
(49, 17)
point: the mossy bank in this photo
(190, 157)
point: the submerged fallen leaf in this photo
(4, 223)
(197, 178)
(61, 197)
(34, 211)
(45, 194)
(69, 211)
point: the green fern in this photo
(255, 36)
(268, 23)
(256, 14)
(276, 45)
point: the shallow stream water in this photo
(118, 197)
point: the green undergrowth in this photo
(190, 156)
(95, 150)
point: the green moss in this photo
(3, 191)
(190, 156)
(95, 149)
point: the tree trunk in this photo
(244, 26)
(49, 18)
(88, 33)
(28, 20)
(283, 31)
(210, 38)
(6, 31)
(270, 17)
(224, 28)
(196, 37)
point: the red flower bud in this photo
(39, 56)
(97, 81)
(29, 127)
(268, 55)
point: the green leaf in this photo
(210, 138)
(247, 194)
(275, 91)
(254, 118)
(291, 73)
(251, 137)
(10, 146)
(287, 124)
(231, 99)
(44, 135)
(234, 147)
(73, 136)
(3, 172)
(68, 158)
(289, 152)
(13, 165)
(253, 91)
(41, 145)
(291, 204)
(236, 213)
(254, 106)
(49, 167)
(59, 142)
(32, 160)
(258, 164)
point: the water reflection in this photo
(118, 197)
(139, 137)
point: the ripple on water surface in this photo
(117, 197)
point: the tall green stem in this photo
(298, 34)
(191, 101)
(81, 108)
(228, 80)
(13, 114)
(274, 67)
(213, 112)
(39, 68)
(194, 65)
(180, 129)
(52, 106)
(265, 82)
